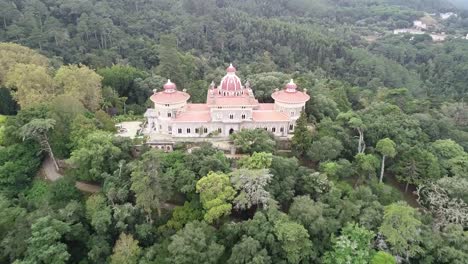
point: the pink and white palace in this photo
(229, 107)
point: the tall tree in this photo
(251, 185)
(302, 139)
(294, 241)
(401, 229)
(170, 60)
(81, 83)
(352, 246)
(31, 84)
(195, 243)
(216, 193)
(386, 147)
(126, 250)
(152, 188)
(45, 244)
(38, 129)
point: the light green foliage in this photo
(260, 160)
(401, 228)
(126, 250)
(181, 215)
(195, 243)
(2, 128)
(325, 148)
(451, 155)
(152, 188)
(12, 54)
(352, 246)
(386, 147)
(340, 169)
(216, 193)
(294, 241)
(302, 139)
(82, 83)
(251, 185)
(96, 154)
(45, 244)
(98, 213)
(31, 84)
(366, 165)
(382, 257)
(255, 140)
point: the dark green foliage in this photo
(255, 140)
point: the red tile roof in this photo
(268, 116)
(197, 107)
(233, 101)
(193, 116)
(266, 107)
(170, 98)
(290, 97)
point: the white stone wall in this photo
(235, 115)
(189, 129)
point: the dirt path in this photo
(48, 170)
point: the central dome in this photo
(231, 82)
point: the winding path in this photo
(51, 174)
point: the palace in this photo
(229, 107)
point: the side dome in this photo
(290, 95)
(231, 82)
(170, 95)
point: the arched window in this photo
(281, 129)
(273, 129)
(188, 130)
(231, 116)
(291, 127)
(243, 116)
(169, 114)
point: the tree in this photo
(181, 215)
(31, 85)
(124, 80)
(81, 83)
(170, 61)
(447, 151)
(99, 213)
(249, 250)
(126, 250)
(386, 147)
(152, 188)
(355, 122)
(45, 244)
(416, 165)
(95, 155)
(258, 160)
(383, 257)
(38, 129)
(254, 140)
(302, 140)
(251, 186)
(352, 246)
(366, 164)
(195, 243)
(325, 148)
(216, 193)
(12, 54)
(401, 229)
(294, 241)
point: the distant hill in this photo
(460, 3)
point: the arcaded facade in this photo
(229, 107)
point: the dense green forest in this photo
(378, 169)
